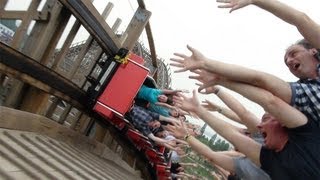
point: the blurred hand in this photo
(185, 63)
(204, 76)
(233, 4)
(177, 130)
(210, 106)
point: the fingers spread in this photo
(180, 55)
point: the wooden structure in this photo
(34, 77)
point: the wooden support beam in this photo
(23, 28)
(2, 5)
(36, 15)
(94, 23)
(135, 28)
(28, 70)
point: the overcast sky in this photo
(249, 37)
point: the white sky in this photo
(249, 37)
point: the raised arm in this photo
(233, 72)
(309, 29)
(245, 145)
(157, 140)
(169, 91)
(247, 118)
(210, 106)
(284, 113)
(220, 159)
(168, 119)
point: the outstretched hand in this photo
(234, 4)
(185, 63)
(204, 76)
(207, 88)
(210, 106)
(178, 130)
(189, 104)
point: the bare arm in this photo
(156, 139)
(309, 29)
(284, 113)
(306, 26)
(217, 158)
(245, 145)
(247, 117)
(233, 72)
(168, 119)
(210, 106)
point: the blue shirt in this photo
(159, 109)
(149, 94)
(306, 97)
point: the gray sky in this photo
(250, 37)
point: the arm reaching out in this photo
(210, 106)
(309, 29)
(247, 117)
(284, 113)
(232, 72)
(246, 145)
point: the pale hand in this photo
(185, 63)
(234, 4)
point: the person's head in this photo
(302, 59)
(275, 135)
(162, 98)
(154, 124)
(160, 132)
(174, 113)
(182, 117)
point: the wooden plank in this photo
(30, 71)
(135, 28)
(66, 46)
(94, 23)
(42, 41)
(2, 5)
(22, 29)
(85, 47)
(116, 25)
(36, 15)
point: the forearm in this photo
(257, 78)
(246, 117)
(157, 140)
(284, 113)
(220, 159)
(245, 145)
(230, 114)
(181, 141)
(168, 119)
(309, 29)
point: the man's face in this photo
(162, 98)
(300, 61)
(271, 129)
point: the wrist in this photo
(187, 137)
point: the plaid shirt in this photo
(140, 117)
(306, 97)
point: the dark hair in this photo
(306, 44)
(170, 99)
(157, 130)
